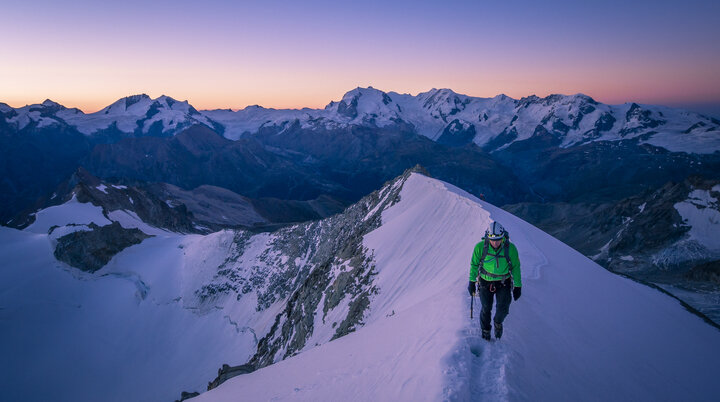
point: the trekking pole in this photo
(472, 301)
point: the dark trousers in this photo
(503, 295)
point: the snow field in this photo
(130, 331)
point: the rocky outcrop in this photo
(187, 395)
(338, 274)
(227, 372)
(91, 250)
(139, 198)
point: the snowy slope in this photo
(112, 336)
(578, 333)
(134, 330)
(163, 315)
(130, 331)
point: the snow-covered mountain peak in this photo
(140, 115)
(359, 91)
(52, 104)
(47, 107)
(139, 105)
(364, 106)
(366, 98)
(583, 97)
(39, 115)
(442, 93)
(175, 104)
(435, 98)
(255, 107)
(133, 104)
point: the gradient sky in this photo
(220, 54)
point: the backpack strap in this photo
(507, 254)
(484, 250)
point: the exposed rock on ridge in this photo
(339, 272)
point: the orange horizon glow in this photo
(320, 100)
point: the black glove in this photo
(516, 293)
(471, 288)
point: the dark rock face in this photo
(576, 224)
(708, 272)
(140, 199)
(91, 250)
(656, 226)
(199, 156)
(605, 122)
(227, 372)
(187, 395)
(342, 246)
(149, 208)
(601, 171)
(457, 135)
(280, 211)
(210, 206)
(34, 161)
(643, 117)
(359, 159)
(629, 236)
(348, 110)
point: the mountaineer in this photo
(495, 275)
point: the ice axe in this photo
(472, 301)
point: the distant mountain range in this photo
(439, 114)
(618, 182)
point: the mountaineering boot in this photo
(486, 334)
(498, 330)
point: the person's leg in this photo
(486, 298)
(504, 296)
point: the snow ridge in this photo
(576, 329)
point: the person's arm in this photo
(475, 261)
(515, 260)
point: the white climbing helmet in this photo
(495, 232)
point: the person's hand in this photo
(471, 288)
(516, 293)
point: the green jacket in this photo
(495, 263)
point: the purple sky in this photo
(87, 54)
